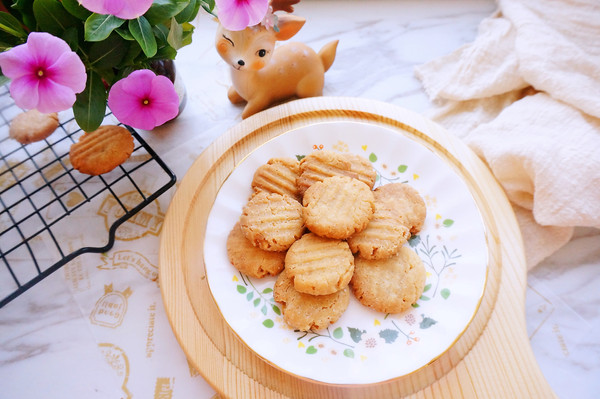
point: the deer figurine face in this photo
(262, 74)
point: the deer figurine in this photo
(263, 75)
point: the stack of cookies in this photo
(319, 225)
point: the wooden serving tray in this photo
(491, 359)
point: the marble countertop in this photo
(51, 343)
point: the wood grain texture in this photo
(492, 358)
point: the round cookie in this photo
(389, 285)
(338, 207)
(278, 176)
(308, 312)
(384, 235)
(272, 221)
(407, 201)
(102, 150)
(319, 165)
(251, 260)
(31, 126)
(319, 265)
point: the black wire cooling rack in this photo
(40, 193)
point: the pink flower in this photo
(144, 100)
(239, 14)
(124, 9)
(45, 73)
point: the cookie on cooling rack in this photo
(308, 312)
(325, 163)
(319, 265)
(279, 176)
(407, 201)
(31, 126)
(251, 260)
(389, 285)
(338, 207)
(272, 221)
(102, 150)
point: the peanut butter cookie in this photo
(407, 201)
(389, 285)
(279, 176)
(308, 312)
(250, 260)
(384, 235)
(272, 221)
(319, 265)
(321, 164)
(338, 207)
(102, 150)
(31, 126)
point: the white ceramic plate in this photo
(363, 346)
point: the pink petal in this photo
(256, 9)
(24, 91)
(133, 9)
(125, 9)
(54, 97)
(17, 62)
(45, 48)
(138, 82)
(164, 101)
(69, 71)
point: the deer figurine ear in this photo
(288, 26)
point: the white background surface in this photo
(48, 348)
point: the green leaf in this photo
(402, 168)
(263, 310)
(188, 13)
(98, 27)
(276, 310)
(448, 222)
(163, 10)
(267, 290)
(338, 333)
(388, 335)
(349, 353)
(426, 288)
(3, 80)
(161, 33)
(142, 32)
(250, 296)
(311, 350)
(424, 298)
(71, 36)
(415, 305)
(106, 54)
(208, 5)
(373, 157)
(426, 322)
(300, 157)
(76, 9)
(11, 25)
(256, 302)
(268, 323)
(25, 8)
(445, 293)
(51, 17)
(175, 37)
(241, 289)
(90, 104)
(125, 34)
(356, 334)
(414, 241)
